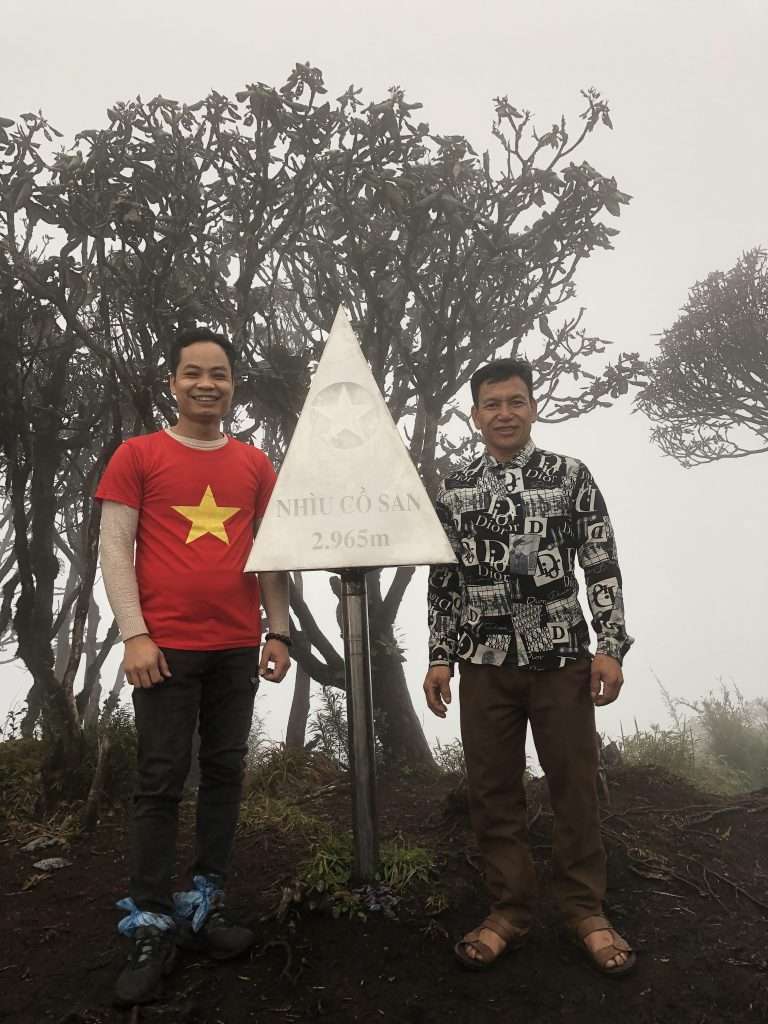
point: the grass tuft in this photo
(721, 748)
(404, 865)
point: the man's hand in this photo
(437, 689)
(144, 663)
(275, 661)
(605, 680)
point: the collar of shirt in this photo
(520, 459)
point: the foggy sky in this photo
(687, 87)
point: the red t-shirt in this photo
(195, 530)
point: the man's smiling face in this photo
(504, 415)
(202, 384)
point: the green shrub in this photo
(328, 731)
(20, 761)
(259, 742)
(671, 749)
(329, 865)
(737, 734)
(123, 743)
(282, 771)
(261, 811)
(10, 729)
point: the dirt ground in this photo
(688, 885)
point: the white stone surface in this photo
(52, 864)
(348, 494)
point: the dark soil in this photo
(688, 885)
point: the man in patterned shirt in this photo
(508, 614)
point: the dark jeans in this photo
(214, 691)
(496, 706)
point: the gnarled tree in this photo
(444, 263)
(707, 390)
(260, 215)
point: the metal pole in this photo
(357, 661)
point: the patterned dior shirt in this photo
(517, 529)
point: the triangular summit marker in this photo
(348, 494)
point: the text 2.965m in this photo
(332, 540)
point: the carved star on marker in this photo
(344, 414)
(207, 517)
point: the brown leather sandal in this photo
(577, 931)
(514, 938)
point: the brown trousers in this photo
(496, 706)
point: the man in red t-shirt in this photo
(188, 501)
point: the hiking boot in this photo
(152, 957)
(219, 937)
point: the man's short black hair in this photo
(189, 335)
(501, 369)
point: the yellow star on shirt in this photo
(207, 517)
